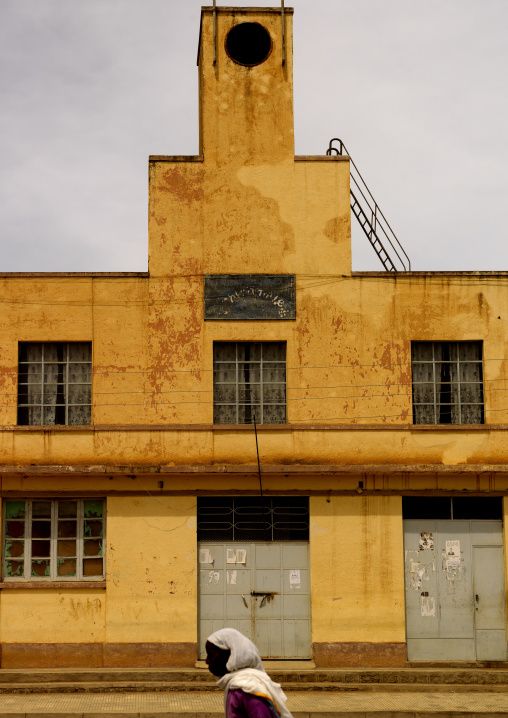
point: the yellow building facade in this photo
(127, 443)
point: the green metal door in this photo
(489, 592)
(454, 582)
(262, 590)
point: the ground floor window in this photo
(250, 518)
(59, 539)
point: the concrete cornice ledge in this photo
(284, 469)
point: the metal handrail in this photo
(376, 223)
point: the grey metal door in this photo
(262, 590)
(455, 601)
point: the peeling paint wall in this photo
(246, 113)
(357, 569)
(46, 616)
(151, 593)
(145, 447)
(151, 570)
(152, 351)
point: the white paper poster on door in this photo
(294, 578)
(426, 541)
(453, 550)
(205, 556)
(427, 605)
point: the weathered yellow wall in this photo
(34, 309)
(52, 615)
(357, 569)
(151, 593)
(246, 205)
(283, 481)
(246, 113)
(348, 350)
(357, 584)
(151, 570)
(330, 446)
(121, 387)
(290, 217)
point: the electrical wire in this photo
(314, 281)
(374, 365)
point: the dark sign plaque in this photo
(250, 296)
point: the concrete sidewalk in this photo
(303, 704)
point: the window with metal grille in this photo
(54, 383)
(460, 508)
(249, 381)
(48, 540)
(247, 518)
(447, 382)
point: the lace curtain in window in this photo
(249, 381)
(54, 383)
(447, 382)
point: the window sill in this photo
(51, 584)
(290, 426)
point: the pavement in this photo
(302, 704)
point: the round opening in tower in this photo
(248, 43)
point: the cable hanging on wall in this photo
(260, 482)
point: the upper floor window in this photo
(249, 381)
(447, 382)
(55, 383)
(53, 539)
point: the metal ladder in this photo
(376, 227)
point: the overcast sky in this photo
(90, 88)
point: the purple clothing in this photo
(244, 705)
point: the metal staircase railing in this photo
(371, 219)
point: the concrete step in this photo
(170, 687)
(105, 675)
(199, 677)
(171, 680)
(106, 687)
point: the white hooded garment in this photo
(246, 670)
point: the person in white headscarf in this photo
(248, 691)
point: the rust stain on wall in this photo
(185, 186)
(338, 229)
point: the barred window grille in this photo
(249, 381)
(55, 383)
(447, 382)
(284, 518)
(458, 508)
(48, 540)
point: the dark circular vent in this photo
(248, 43)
